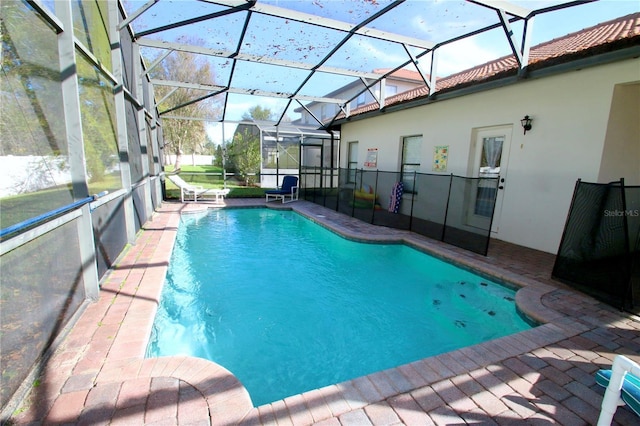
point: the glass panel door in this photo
(490, 156)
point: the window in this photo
(33, 137)
(97, 105)
(353, 155)
(490, 160)
(391, 90)
(411, 146)
(362, 98)
(352, 162)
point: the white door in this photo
(491, 158)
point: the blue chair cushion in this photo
(288, 183)
(630, 392)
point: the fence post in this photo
(564, 230)
(338, 188)
(375, 192)
(87, 248)
(353, 196)
(121, 129)
(413, 197)
(627, 296)
(493, 211)
(446, 209)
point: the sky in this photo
(432, 21)
(545, 27)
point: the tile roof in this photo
(607, 36)
(402, 73)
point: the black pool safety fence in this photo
(454, 209)
(600, 248)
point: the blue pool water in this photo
(288, 306)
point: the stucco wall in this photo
(570, 114)
(622, 143)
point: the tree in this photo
(258, 113)
(219, 157)
(184, 135)
(244, 153)
(31, 121)
(244, 149)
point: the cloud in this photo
(239, 105)
(369, 54)
(214, 131)
(467, 53)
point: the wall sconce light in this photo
(526, 123)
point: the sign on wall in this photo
(440, 156)
(372, 158)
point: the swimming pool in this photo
(288, 306)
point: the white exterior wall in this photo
(190, 159)
(570, 117)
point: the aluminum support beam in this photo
(157, 61)
(284, 113)
(240, 91)
(508, 7)
(121, 123)
(310, 113)
(136, 14)
(46, 15)
(167, 96)
(260, 59)
(77, 160)
(192, 21)
(433, 75)
(346, 109)
(142, 129)
(379, 98)
(344, 41)
(95, 61)
(333, 24)
(71, 103)
(511, 38)
(416, 62)
(367, 87)
(526, 42)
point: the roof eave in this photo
(357, 83)
(542, 69)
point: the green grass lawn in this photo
(239, 192)
(210, 177)
(18, 208)
(194, 169)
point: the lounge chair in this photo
(196, 191)
(288, 190)
(623, 387)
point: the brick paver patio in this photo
(98, 374)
